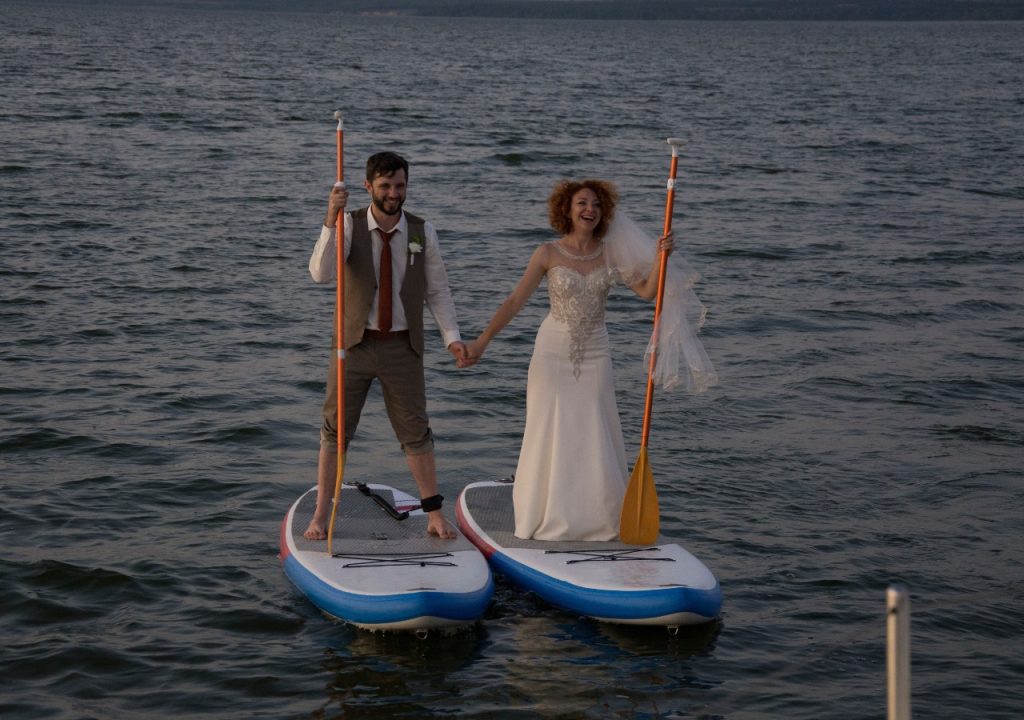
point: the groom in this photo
(384, 328)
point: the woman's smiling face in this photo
(585, 210)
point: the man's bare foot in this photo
(316, 530)
(438, 525)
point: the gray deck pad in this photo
(491, 508)
(362, 527)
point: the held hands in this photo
(461, 354)
(475, 349)
(466, 354)
(336, 203)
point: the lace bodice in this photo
(578, 300)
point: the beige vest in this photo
(361, 283)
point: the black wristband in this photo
(431, 503)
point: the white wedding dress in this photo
(571, 477)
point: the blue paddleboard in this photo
(384, 572)
(659, 584)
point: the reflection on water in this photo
(577, 667)
(526, 659)
(374, 675)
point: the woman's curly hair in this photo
(560, 202)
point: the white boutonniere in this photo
(415, 248)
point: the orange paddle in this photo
(339, 333)
(639, 521)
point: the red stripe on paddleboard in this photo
(285, 552)
(482, 545)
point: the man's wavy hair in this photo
(384, 164)
(560, 202)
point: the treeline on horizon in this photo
(964, 10)
(698, 9)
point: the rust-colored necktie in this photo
(384, 292)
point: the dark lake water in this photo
(853, 195)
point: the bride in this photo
(571, 476)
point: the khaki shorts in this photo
(400, 372)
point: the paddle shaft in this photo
(669, 203)
(339, 332)
(339, 296)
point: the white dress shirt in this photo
(322, 266)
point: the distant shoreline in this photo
(714, 10)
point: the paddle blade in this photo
(638, 524)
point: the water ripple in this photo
(847, 192)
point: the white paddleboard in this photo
(385, 573)
(659, 584)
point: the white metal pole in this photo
(898, 652)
